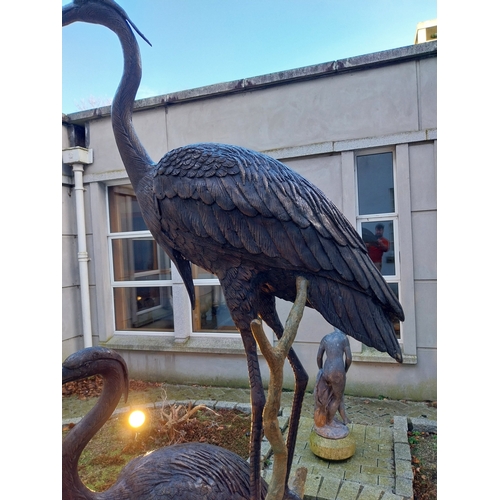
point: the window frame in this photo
(383, 217)
(172, 282)
(144, 283)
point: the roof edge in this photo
(356, 63)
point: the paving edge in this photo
(402, 453)
(213, 404)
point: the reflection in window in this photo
(200, 273)
(124, 212)
(211, 313)
(137, 258)
(143, 308)
(379, 240)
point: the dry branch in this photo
(275, 357)
(178, 414)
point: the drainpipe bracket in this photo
(78, 154)
(83, 257)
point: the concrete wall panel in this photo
(68, 211)
(71, 314)
(424, 228)
(322, 171)
(428, 93)
(349, 106)
(423, 177)
(426, 307)
(70, 276)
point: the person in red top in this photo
(379, 247)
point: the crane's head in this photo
(94, 361)
(96, 12)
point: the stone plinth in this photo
(332, 449)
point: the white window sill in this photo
(218, 345)
(370, 355)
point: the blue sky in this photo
(201, 42)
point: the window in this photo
(211, 313)
(142, 277)
(377, 219)
(141, 273)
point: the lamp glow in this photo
(136, 418)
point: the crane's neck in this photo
(82, 433)
(135, 158)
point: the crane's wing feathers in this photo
(248, 201)
(187, 471)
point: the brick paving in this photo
(369, 474)
(380, 469)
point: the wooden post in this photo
(275, 357)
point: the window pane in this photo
(379, 240)
(124, 212)
(375, 184)
(211, 312)
(200, 273)
(144, 308)
(139, 259)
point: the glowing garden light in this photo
(136, 418)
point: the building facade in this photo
(363, 129)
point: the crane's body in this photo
(254, 223)
(226, 208)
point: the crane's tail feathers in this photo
(357, 314)
(380, 287)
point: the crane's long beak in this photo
(85, 10)
(68, 375)
(94, 361)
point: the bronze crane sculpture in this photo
(191, 471)
(254, 223)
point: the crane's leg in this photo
(241, 306)
(268, 313)
(258, 400)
